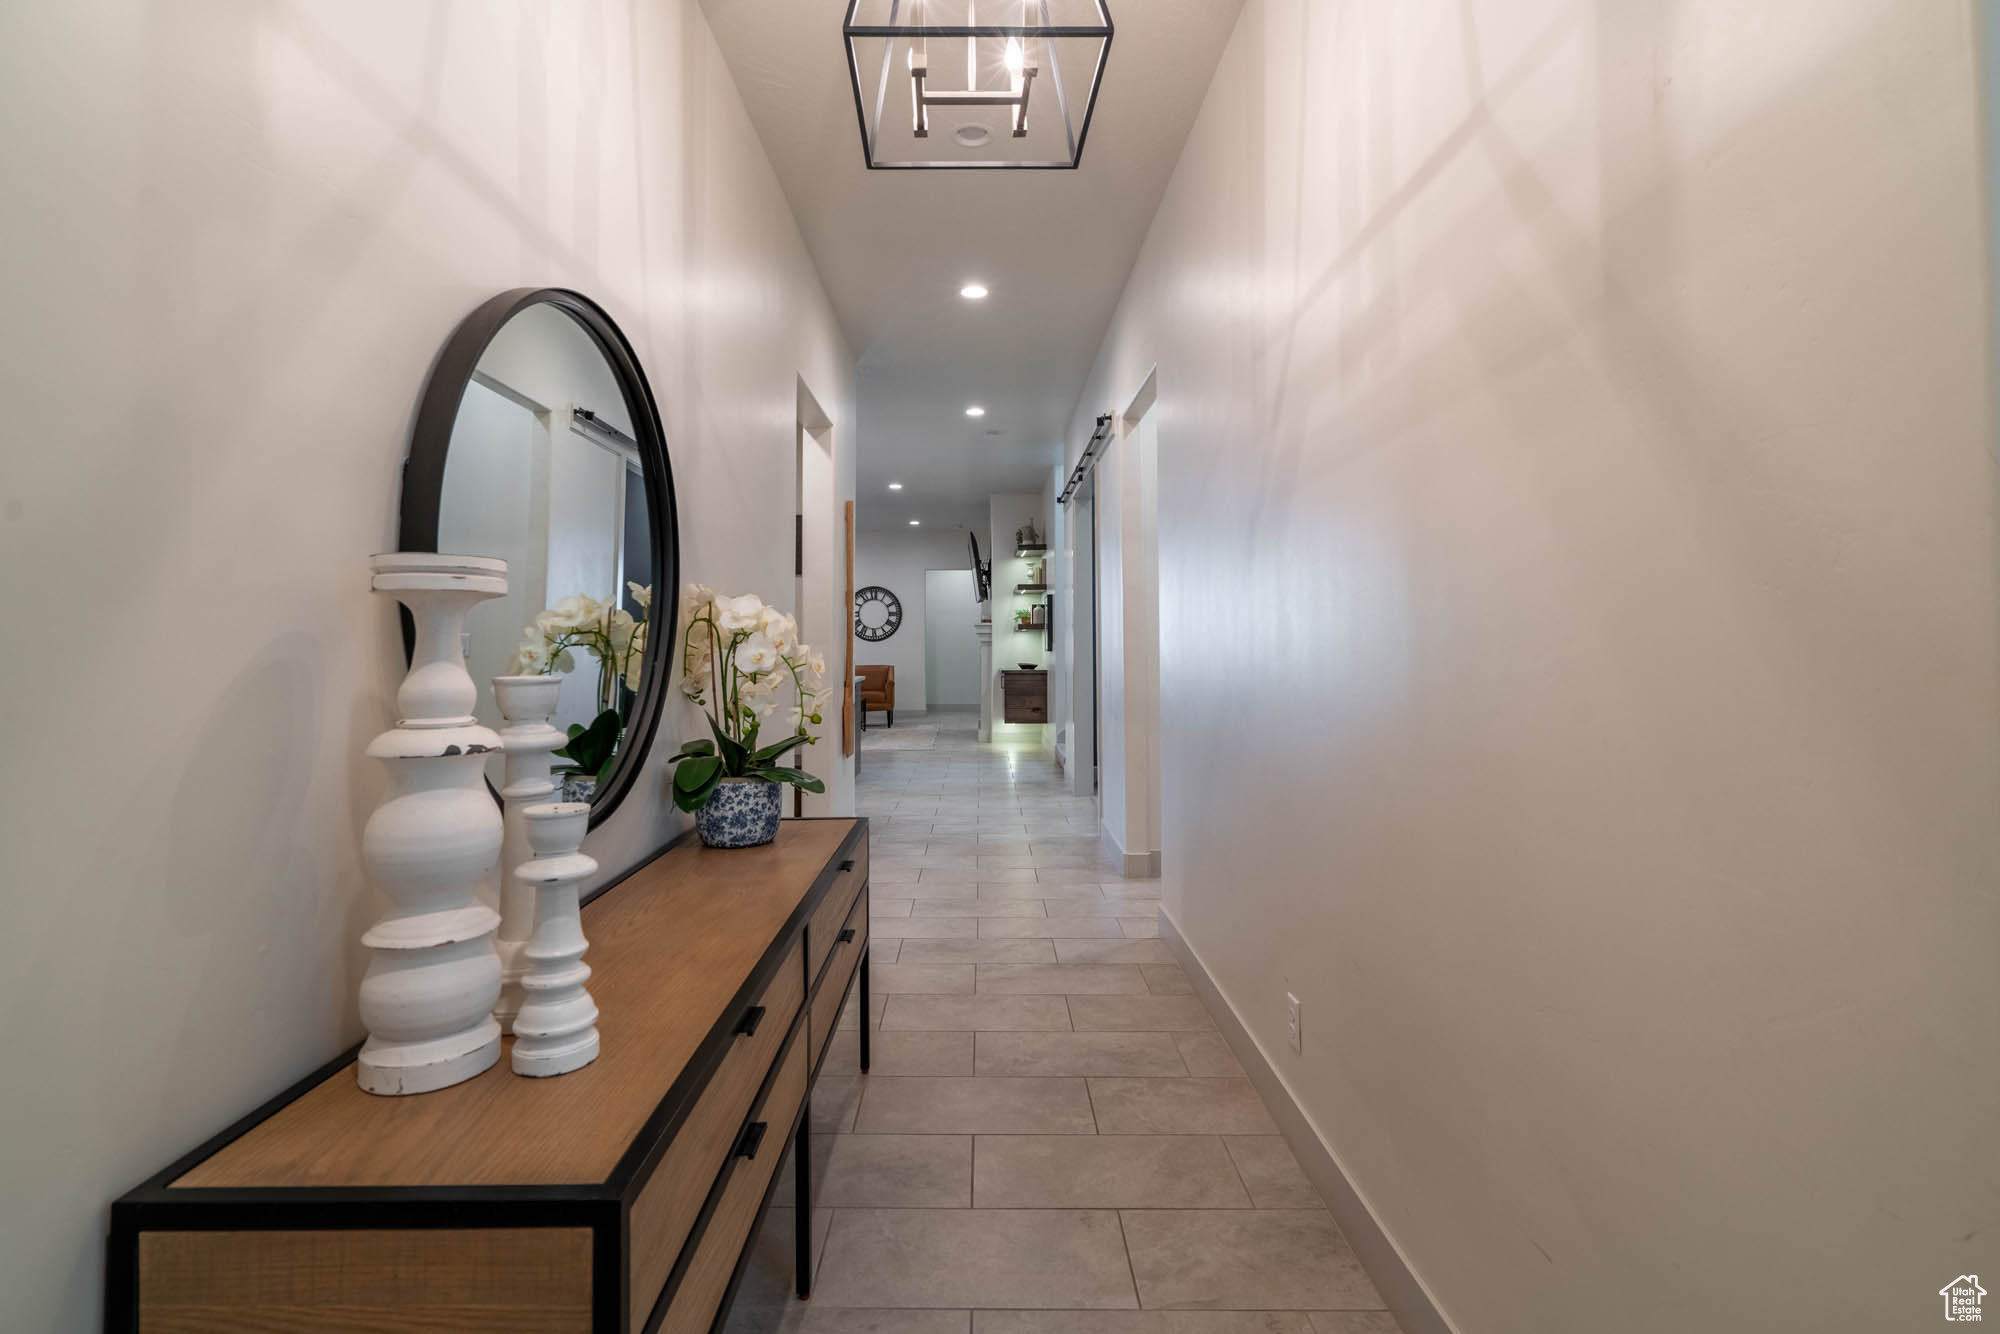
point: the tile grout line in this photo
(1131, 1269)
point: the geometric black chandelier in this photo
(931, 92)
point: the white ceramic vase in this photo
(527, 703)
(556, 1030)
(432, 980)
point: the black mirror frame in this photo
(423, 492)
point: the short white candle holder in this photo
(432, 980)
(556, 1029)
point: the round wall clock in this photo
(877, 613)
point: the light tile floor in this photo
(1054, 1139)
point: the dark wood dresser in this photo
(621, 1197)
(1024, 697)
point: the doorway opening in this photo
(814, 597)
(1124, 505)
(951, 649)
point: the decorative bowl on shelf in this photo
(1027, 666)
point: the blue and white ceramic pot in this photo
(741, 813)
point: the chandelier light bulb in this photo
(895, 486)
(975, 411)
(916, 523)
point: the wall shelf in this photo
(1031, 588)
(1022, 553)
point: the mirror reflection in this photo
(544, 471)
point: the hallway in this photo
(1053, 1131)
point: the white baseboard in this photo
(1137, 865)
(1415, 1309)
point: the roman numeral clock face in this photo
(877, 613)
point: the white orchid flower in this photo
(757, 654)
(531, 659)
(739, 613)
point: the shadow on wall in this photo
(228, 852)
(1530, 341)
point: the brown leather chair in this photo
(878, 691)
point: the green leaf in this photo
(698, 747)
(698, 798)
(769, 753)
(798, 778)
(733, 754)
(593, 748)
(697, 772)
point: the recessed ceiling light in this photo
(973, 291)
(975, 411)
(895, 486)
(916, 523)
(972, 136)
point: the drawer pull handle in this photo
(751, 1018)
(753, 1139)
(847, 865)
(846, 937)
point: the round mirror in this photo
(538, 441)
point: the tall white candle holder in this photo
(427, 997)
(527, 703)
(556, 1030)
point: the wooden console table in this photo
(621, 1197)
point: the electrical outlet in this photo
(1292, 1023)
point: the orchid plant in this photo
(614, 637)
(742, 662)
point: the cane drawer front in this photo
(840, 969)
(699, 1295)
(832, 911)
(672, 1197)
(416, 1281)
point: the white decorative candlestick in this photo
(556, 1030)
(527, 703)
(427, 996)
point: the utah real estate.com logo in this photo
(1961, 1297)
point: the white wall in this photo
(896, 559)
(1578, 556)
(250, 230)
(951, 644)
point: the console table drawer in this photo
(671, 1198)
(832, 911)
(531, 1280)
(833, 986)
(713, 1265)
